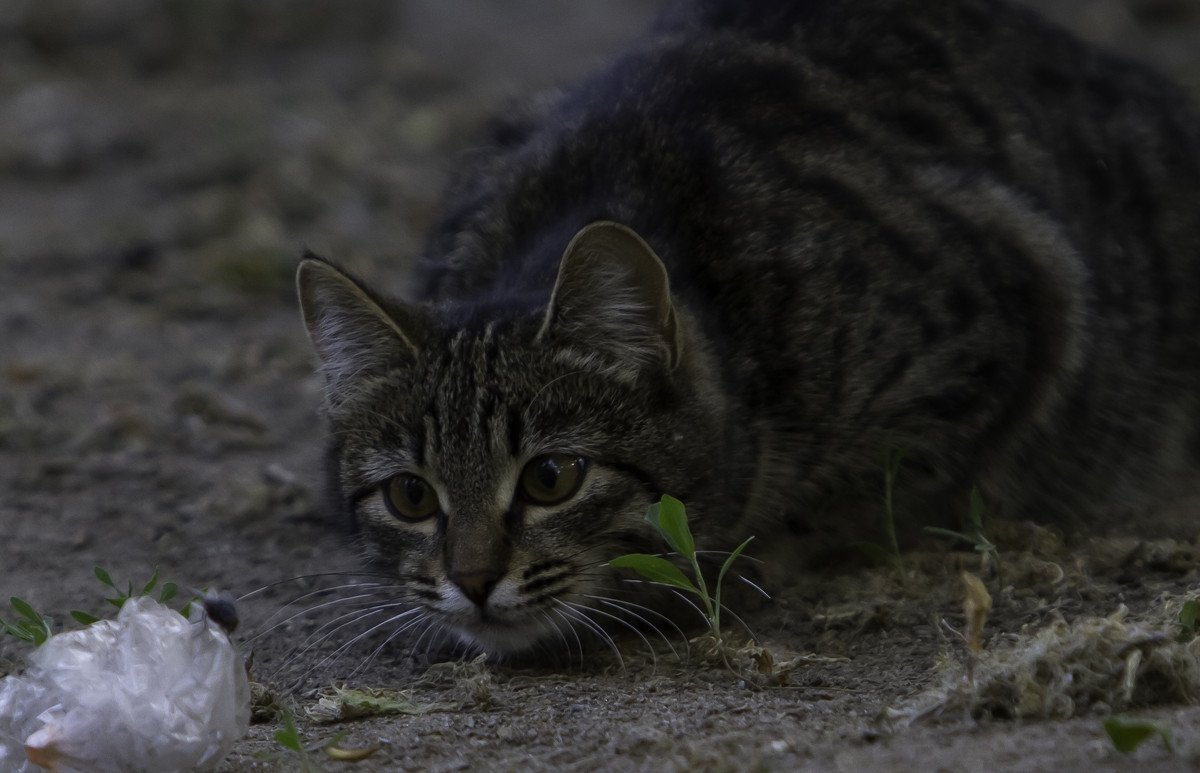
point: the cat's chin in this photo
(505, 640)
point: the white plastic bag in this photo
(150, 692)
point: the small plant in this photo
(31, 626)
(1189, 620)
(34, 627)
(669, 518)
(976, 537)
(290, 739)
(1127, 733)
(166, 592)
(878, 554)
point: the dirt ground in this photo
(162, 164)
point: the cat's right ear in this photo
(351, 333)
(613, 293)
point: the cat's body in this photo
(943, 228)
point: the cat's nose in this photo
(477, 585)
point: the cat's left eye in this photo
(552, 478)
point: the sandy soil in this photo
(162, 164)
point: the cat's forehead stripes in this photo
(467, 421)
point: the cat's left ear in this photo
(613, 293)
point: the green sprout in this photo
(166, 592)
(31, 626)
(976, 536)
(669, 518)
(289, 738)
(878, 554)
(1127, 733)
(1189, 620)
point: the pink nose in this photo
(477, 585)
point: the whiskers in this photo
(337, 622)
(608, 609)
(573, 609)
(575, 617)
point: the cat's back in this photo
(700, 134)
(780, 155)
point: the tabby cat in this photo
(767, 246)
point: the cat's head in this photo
(497, 454)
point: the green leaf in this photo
(1128, 733)
(150, 585)
(169, 591)
(33, 628)
(654, 518)
(669, 516)
(976, 507)
(18, 631)
(103, 577)
(1189, 613)
(25, 610)
(289, 736)
(83, 617)
(286, 740)
(33, 633)
(655, 569)
(728, 561)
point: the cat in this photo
(769, 245)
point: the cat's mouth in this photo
(521, 614)
(501, 635)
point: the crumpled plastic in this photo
(149, 692)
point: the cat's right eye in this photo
(552, 478)
(410, 498)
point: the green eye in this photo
(410, 498)
(553, 478)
